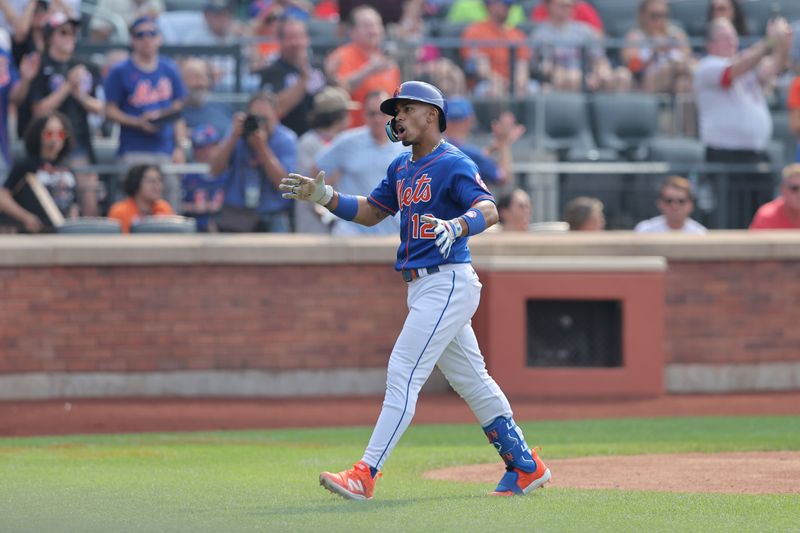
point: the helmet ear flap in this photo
(391, 131)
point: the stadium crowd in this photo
(207, 104)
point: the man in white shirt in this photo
(676, 203)
(356, 161)
(735, 122)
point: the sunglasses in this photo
(50, 134)
(658, 15)
(373, 113)
(66, 32)
(669, 201)
(793, 188)
(145, 33)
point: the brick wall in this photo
(198, 317)
(732, 312)
(147, 318)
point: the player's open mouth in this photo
(400, 130)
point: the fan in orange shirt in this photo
(361, 67)
(490, 64)
(144, 187)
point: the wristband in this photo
(475, 220)
(347, 208)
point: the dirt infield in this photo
(138, 415)
(733, 473)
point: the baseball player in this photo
(442, 200)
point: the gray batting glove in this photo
(299, 187)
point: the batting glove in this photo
(446, 231)
(299, 187)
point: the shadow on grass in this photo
(339, 505)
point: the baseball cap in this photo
(145, 19)
(459, 108)
(205, 135)
(331, 99)
(58, 19)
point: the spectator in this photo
(582, 12)
(514, 209)
(14, 87)
(440, 71)
(676, 203)
(476, 11)
(264, 18)
(491, 65)
(218, 28)
(144, 94)
(197, 109)
(101, 29)
(28, 30)
(144, 187)
(657, 52)
(257, 153)
(361, 66)
(295, 77)
(70, 86)
(28, 40)
(735, 122)
(203, 193)
(730, 10)
(784, 211)
(585, 214)
(296, 9)
(48, 141)
(330, 116)
(357, 159)
(495, 163)
(562, 44)
(793, 103)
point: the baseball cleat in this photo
(516, 482)
(353, 484)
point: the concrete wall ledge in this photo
(265, 249)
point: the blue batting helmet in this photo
(418, 91)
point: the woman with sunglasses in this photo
(48, 141)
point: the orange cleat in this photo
(516, 482)
(353, 484)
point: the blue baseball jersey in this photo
(136, 92)
(443, 184)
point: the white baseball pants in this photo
(437, 331)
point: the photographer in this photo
(256, 154)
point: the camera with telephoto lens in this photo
(251, 124)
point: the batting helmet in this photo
(418, 91)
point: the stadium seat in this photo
(90, 225)
(165, 224)
(488, 109)
(782, 135)
(758, 12)
(691, 15)
(564, 126)
(619, 16)
(184, 5)
(625, 122)
(683, 150)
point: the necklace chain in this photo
(437, 145)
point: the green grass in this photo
(267, 481)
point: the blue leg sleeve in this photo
(507, 438)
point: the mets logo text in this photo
(421, 192)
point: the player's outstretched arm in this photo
(352, 208)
